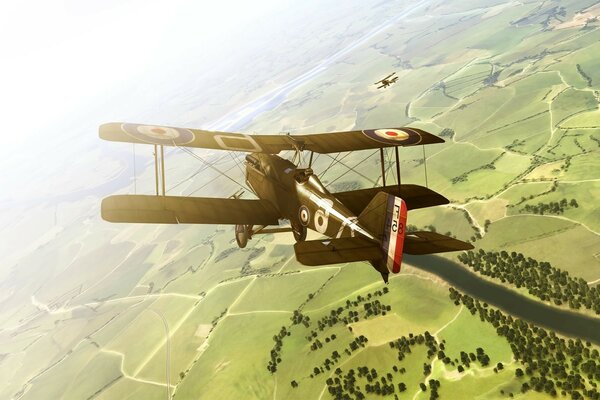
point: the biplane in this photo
(387, 81)
(358, 225)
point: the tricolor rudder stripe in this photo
(395, 227)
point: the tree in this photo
(423, 387)
(573, 203)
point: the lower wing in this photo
(188, 210)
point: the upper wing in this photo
(188, 210)
(415, 197)
(430, 242)
(333, 142)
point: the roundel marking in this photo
(321, 221)
(162, 135)
(396, 137)
(304, 215)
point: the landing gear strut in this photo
(299, 232)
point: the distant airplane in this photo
(360, 225)
(387, 81)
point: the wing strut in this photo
(162, 168)
(159, 167)
(382, 165)
(397, 166)
(425, 162)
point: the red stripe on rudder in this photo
(400, 237)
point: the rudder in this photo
(385, 217)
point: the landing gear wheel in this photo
(241, 235)
(299, 232)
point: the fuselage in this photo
(299, 196)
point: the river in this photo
(569, 323)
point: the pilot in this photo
(302, 175)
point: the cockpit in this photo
(271, 166)
(307, 177)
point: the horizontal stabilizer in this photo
(188, 210)
(414, 196)
(335, 251)
(430, 242)
(333, 142)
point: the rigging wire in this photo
(209, 182)
(353, 168)
(236, 161)
(330, 165)
(390, 163)
(199, 170)
(191, 153)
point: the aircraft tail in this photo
(385, 217)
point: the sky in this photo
(68, 66)
(59, 56)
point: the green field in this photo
(512, 86)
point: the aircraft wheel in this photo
(299, 233)
(241, 235)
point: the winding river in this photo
(569, 323)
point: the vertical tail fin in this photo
(385, 217)
(393, 235)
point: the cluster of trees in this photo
(276, 350)
(317, 344)
(585, 76)
(216, 320)
(539, 278)
(467, 359)
(492, 79)
(434, 385)
(551, 364)
(552, 188)
(347, 386)
(465, 176)
(447, 132)
(328, 364)
(513, 146)
(299, 318)
(553, 207)
(404, 344)
(349, 314)
(335, 316)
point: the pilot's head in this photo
(302, 175)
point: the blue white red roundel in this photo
(304, 215)
(159, 134)
(397, 137)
